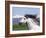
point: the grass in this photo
(20, 27)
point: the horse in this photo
(31, 21)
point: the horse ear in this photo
(35, 16)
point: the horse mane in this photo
(30, 16)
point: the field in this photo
(20, 26)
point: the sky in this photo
(25, 10)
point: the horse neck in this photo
(30, 22)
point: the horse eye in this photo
(24, 18)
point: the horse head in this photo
(23, 20)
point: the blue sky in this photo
(25, 10)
